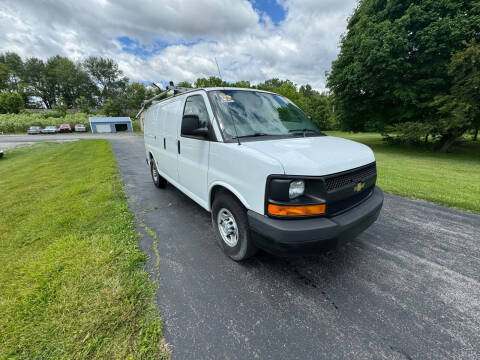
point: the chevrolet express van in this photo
(269, 177)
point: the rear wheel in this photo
(158, 180)
(229, 219)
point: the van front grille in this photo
(345, 204)
(335, 182)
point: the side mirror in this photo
(202, 132)
(191, 126)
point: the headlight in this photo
(296, 189)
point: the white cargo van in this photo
(270, 178)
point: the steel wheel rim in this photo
(154, 173)
(227, 226)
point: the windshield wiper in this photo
(252, 135)
(304, 131)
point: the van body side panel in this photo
(244, 169)
(148, 133)
(194, 156)
(159, 133)
(172, 117)
(155, 131)
(193, 165)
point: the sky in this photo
(178, 40)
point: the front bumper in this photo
(283, 236)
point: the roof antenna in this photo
(218, 68)
(228, 107)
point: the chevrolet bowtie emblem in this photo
(359, 187)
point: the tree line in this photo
(410, 69)
(60, 83)
(98, 83)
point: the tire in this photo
(158, 180)
(225, 208)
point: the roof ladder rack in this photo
(176, 90)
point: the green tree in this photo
(212, 81)
(68, 79)
(184, 84)
(11, 102)
(60, 109)
(241, 84)
(458, 111)
(114, 107)
(135, 94)
(4, 75)
(35, 77)
(465, 71)
(58, 78)
(107, 76)
(15, 68)
(394, 60)
(83, 104)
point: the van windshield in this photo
(245, 113)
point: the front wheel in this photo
(158, 180)
(229, 219)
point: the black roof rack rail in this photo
(177, 90)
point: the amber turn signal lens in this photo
(303, 210)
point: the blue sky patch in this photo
(272, 8)
(133, 46)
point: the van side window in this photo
(196, 106)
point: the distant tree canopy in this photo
(59, 83)
(393, 67)
(10, 102)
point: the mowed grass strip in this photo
(451, 179)
(72, 283)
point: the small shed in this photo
(110, 124)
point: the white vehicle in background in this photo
(33, 130)
(49, 130)
(270, 178)
(80, 128)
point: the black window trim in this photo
(211, 133)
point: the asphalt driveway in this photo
(408, 288)
(11, 141)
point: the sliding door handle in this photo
(178, 146)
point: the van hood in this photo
(315, 156)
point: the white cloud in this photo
(247, 45)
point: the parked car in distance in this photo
(65, 128)
(80, 128)
(267, 174)
(34, 130)
(49, 130)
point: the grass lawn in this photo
(72, 283)
(451, 179)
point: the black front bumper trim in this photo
(283, 235)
